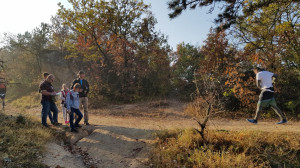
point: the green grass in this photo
(22, 142)
(185, 148)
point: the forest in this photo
(152, 105)
(128, 60)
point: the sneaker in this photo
(282, 122)
(74, 130)
(78, 126)
(252, 121)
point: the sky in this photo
(18, 16)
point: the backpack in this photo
(2, 86)
(65, 96)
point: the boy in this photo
(83, 94)
(72, 102)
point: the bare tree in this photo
(208, 101)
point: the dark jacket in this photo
(85, 86)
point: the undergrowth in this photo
(26, 102)
(185, 148)
(22, 142)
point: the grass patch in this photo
(22, 142)
(185, 148)
(26, 102)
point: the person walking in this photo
(83, 94)
(264, 81)
(48, 102)
(72, 103)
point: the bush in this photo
(21, 146)
(185, 148)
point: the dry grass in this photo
(22, 142)
(27, 102)
(185, 148)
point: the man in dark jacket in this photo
(83, 94)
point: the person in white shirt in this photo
(264, 81)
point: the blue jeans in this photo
(79, 117)
(47, 107)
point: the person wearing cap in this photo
(83, 94)
(264, 80)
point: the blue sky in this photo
(18, 16)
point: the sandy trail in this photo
(122, 135)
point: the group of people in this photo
(71, 100)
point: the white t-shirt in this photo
(266, 79)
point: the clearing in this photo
(120, 136)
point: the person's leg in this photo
(277, 110)
(79, 116)
(45, 112)
(54, 109)
(72, 119)
(50, 117)
(3, 102)
(64, 112)
(258, 111)
(85, 108)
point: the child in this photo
(72, 103)
(63, 96)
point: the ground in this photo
(122, 135)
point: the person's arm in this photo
(88, 87)
(68, 101)
(258, 83)
(275, 76)
(46, 93)
(73, 83)
(62, 96)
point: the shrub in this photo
(185, 148)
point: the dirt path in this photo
(122, 135)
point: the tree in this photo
(186, 60)
(34, 43)
(233, 9)
(60, 33)
(118, 40)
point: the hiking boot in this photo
(78, 126)
(57, 124)
(45, 126)
(282, 122)
(74, 130)
(252, 121)
(86, 123)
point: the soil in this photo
(121, 136)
